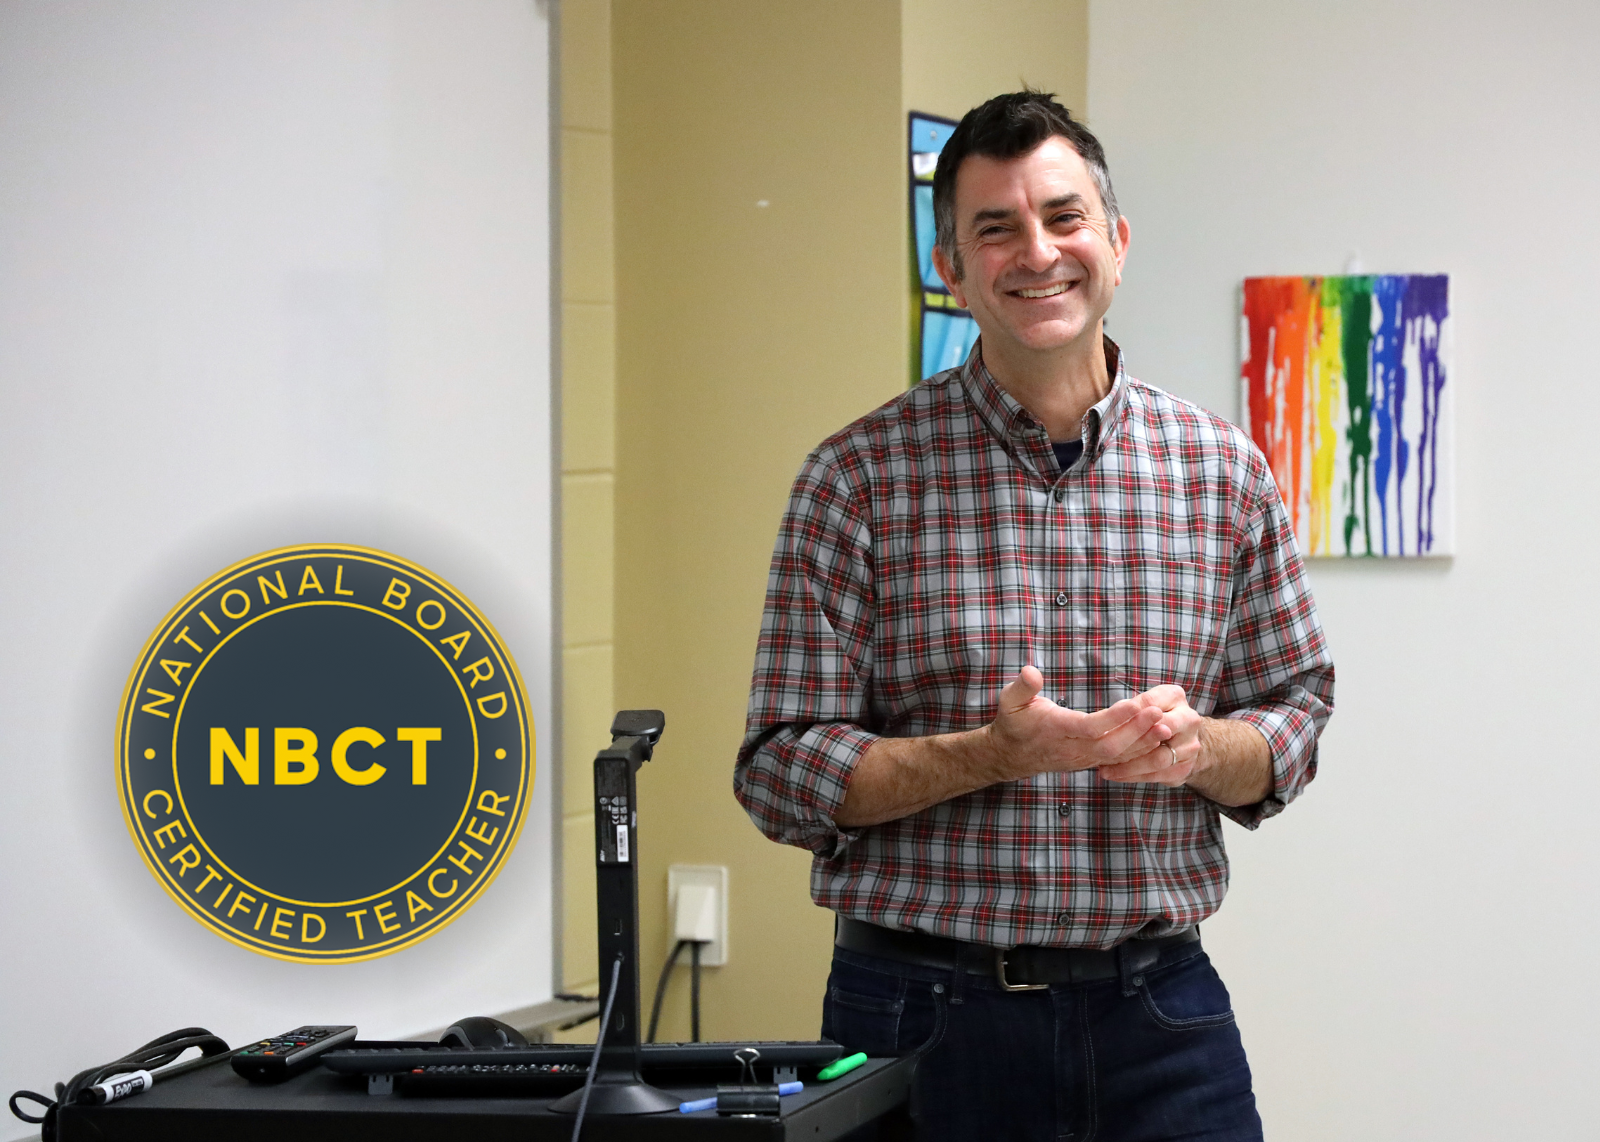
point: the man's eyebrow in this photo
(993, 215)
(997, 214)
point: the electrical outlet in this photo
(697, 908)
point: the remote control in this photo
(275, 1059)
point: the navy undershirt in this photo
(1067, 452)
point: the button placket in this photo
(1074, 583)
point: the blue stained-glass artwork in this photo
(946, 340)
(922, 225)
(943, 333)
(929, 134)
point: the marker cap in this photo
(841, 1066)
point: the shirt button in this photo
(1064, 919)
(1065, 809)
(1060, 494)
(1061, 599)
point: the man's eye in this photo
(1070, 218)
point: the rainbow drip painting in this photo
(1345, 389)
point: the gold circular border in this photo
(367, 555)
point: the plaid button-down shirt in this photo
(930, 551)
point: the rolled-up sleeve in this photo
(1278, 675)
(808, 717)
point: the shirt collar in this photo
(1011, 423)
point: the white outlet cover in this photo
(711, 876)
(695, 913)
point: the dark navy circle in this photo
(326, 668)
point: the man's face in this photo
(1039, 267)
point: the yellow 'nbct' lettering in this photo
(341, 749)
(302, 754)
(294, 755)
(419, 739)
(246, 764)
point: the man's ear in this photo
(947, 274)
(1123, 234)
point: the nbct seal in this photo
(324, 753)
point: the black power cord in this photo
(92, 1085)
(661, 989)
(599, 1041)
(694, 947)
(694, 990)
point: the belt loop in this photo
(1134, 958)
(958, 973)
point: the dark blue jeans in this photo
(1153, 1056)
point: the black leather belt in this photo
(1026, 967)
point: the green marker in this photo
(841, 1067)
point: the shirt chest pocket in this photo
(1173, 622)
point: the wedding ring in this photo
(1172, 751)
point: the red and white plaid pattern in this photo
(930, 551)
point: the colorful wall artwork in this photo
(1345, 387)
(942, 333)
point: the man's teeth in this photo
(1048, 291)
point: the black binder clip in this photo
(749, 1099)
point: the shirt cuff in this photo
(1284, 744)
(830, 750)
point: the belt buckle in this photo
(1000, 975)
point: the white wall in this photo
(270, 272)
(1411, 947)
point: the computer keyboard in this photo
(405, 1058)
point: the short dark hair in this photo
(1003, 128)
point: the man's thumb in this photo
(1021, 690)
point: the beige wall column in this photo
(588, 441)
(956, 54)
(760, 290)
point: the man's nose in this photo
(1039, 253)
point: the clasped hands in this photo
(1151, 737)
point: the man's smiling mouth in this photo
(1046, 291)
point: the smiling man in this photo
(1031, 629)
